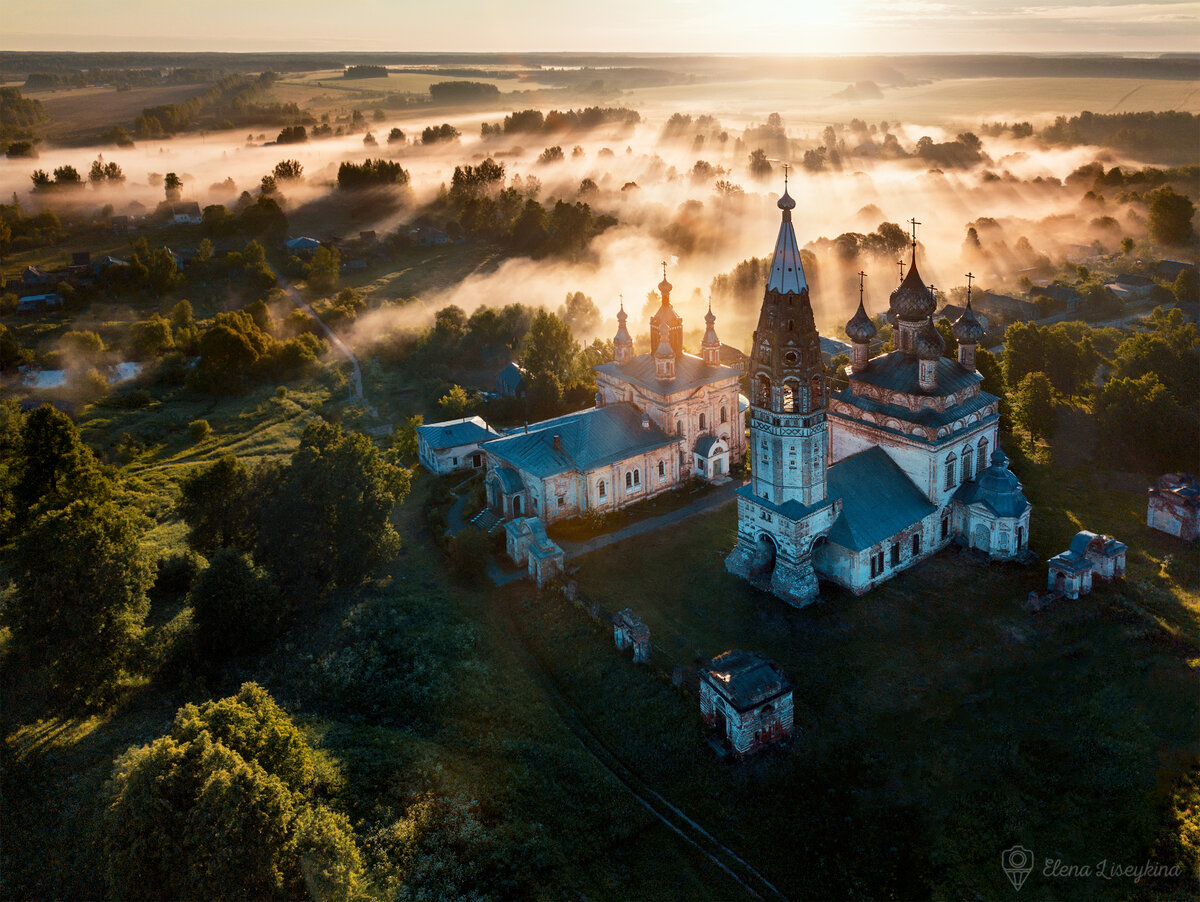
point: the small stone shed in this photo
(748, 699)
(1091, 556)
(1174, 506)
(528, 544)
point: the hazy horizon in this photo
(630, 26)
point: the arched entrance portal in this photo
(764, 557)
(981, 538)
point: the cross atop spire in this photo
(913, 222)
(861, 276)
(900, 263)
(786, 167)
(970, 278)
(664, 266)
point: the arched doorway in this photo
(764, 557)
(516, 504)
(981, 538)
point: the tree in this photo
(395, 136)
(760, 166)
(325, 518)
(1033, 406)
(81, 580)
(150, 338)
(1170, 218)
(173, 186)
(1187, 286)
(404, 440)
(581, 314)
(221, 807)
(1141, 424)
(549, 354)
(455, 403)
(52, 464)
(324, 269)
(215, 504)
(236, 607)
(288, 171)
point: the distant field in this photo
(811, 102)
(92, 109)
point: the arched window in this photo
(968, 471)
(662, 469)
(950, 472)
(602, 489)
(791, 325)
(791, 396)
(983, 453)
(702, 422)
(916, 546)
(817, 398)
(764, 391)
(724, 415)
(628, 480)
(637, 477)
(679, 427)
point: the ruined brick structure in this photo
(1174, 506)
(747, 699)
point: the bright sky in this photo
(673, 26)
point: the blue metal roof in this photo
(900, 372)
(588, 439)
(927, 416)
(454, 433)
(690, 372)
(787, 272)
(996, 488)
(878, 500)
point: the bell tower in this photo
(783, 512)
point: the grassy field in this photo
(76, 112)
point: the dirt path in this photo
(356, 389)
(754, 884)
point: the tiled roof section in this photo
(787, 273)
(928, 417)
(746, 679)
(690, 372)
(878, 500)
(588, 439)
(899, 372)
(453, 433)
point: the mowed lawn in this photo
(939, 722)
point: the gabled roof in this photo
(454, 433)
(690, 372)
(878, 500)
(302, 243)
(588, 439)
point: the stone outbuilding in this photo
(1174, 506)
(1091, 556)
(528, 544)
(630, 632)
(747, 699)
(453, 445)
(992, 510)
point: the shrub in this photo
(199, 430)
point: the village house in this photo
(34, 303)
(510, 381)
(1174, 506)
(453, 445)
(1169, 270)
(185, 213)
(1131, 287)
(747, 699)
(1004, 307)
(859, 485)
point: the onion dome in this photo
(710, 334)
(664, 289)
(927, 343)
(967, 329)
(999, 489)
(860, 328)
(622, 332)
(664, 349)
(786, 202)
(913, 301)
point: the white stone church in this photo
(857, 486)
(660, 418)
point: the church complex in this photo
(851, 487)
(856, 486)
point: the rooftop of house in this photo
(580, 441)
(690, 372)
(1181, 485)
(745, 679)
(454, 433)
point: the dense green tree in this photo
(581, 315)
(81, 580)
(760, 166)
(173, 186)
(456, 403)
(1033, 407)
(1170, 218)
(215, 504)
(1142, 425)
(325, 517)
(150, 338)
(549, 355)
(52, 465)
(220, 808)
(324, 269)
(288, 171)
(1187, 286)
(12, 355)
(1171, 351)
(404, 441)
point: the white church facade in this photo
(857, 486)
(660, 419)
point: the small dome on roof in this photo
(913, 301)
(664, 288)
(967, 328)
(664, 350)
(860, 328)
(786, 202)
(997, 487)
(927, 343)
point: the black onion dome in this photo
(913, 301)
(860, 328)
(967, 329)
(786, 202)
(927, 343)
